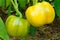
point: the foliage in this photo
(57, 7)
(3, 32)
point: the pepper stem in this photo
(15, 4)
(43, 0)
(35, 1)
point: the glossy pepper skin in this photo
(40, 14)
(17, 27)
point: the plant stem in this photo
(35, 1)
(16, 8)
(16, 3)
(28, 1)
(43, 0)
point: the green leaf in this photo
(57, 7)
(9, 10)
(2, 3)
(33, 30)
(3, 32)
(8, 2)
(22, 3)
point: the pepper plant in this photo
(25, 19)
